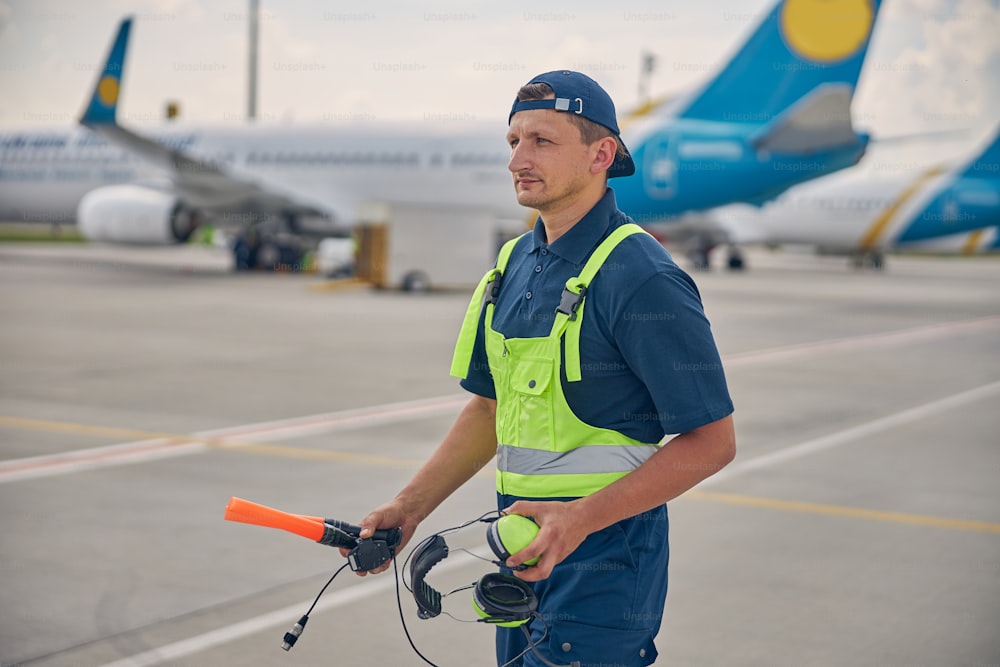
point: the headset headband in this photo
(428, 554)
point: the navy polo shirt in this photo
(648, 361)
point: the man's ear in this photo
(604, 156)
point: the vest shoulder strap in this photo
(505, 250)
(484, 294)
(600, 255)
(569, 314)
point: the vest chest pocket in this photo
(532, 399)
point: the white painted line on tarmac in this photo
(854, 433)
(286, 616)
(96, 458)
(166, 447)
(159, 448)
(900, 337)
(387, 413)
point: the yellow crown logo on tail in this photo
(107, 91)
(826, 30)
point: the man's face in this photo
(548, 160)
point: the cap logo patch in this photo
(563, 104)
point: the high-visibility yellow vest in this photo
(543, 449)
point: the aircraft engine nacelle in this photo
(136, 215)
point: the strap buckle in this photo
(492, 291)
(570, 302)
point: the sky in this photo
(933, 64)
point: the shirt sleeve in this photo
(667, 341)
(479, 379)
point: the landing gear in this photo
(735, 261)
(872, 259)
(257, 249)
(416, 281)
(699, 253)
(699, 258)
(269, 254)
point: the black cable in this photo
(402, 619)
(293, 635)
(325, 586)
(533, 646)
(523, 653)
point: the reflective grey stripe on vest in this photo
(588, 459)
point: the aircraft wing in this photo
(200, 182)
(203, 183)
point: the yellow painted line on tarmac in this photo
(334, 455)
(326, 455)
(86, 429)
(387, 461)
(114, 432)
(218, 443)
(843, 511)
(339, 285)
(234, 444)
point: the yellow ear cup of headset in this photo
(500, 599)
(511, 533)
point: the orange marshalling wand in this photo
(245, 511)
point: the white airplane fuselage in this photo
(857, 211)
(45, 173)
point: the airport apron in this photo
(545, 452)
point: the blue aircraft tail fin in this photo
(103, 106)
(800, 45)
(987, 163)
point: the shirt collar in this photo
(576, 245)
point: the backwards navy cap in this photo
(578, 93)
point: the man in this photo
(590, 346)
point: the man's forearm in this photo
(469, 445)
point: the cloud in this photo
(939, 68)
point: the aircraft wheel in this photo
(242, 259)
(700, 260)
(416, 281)
(268, 255)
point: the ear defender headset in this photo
(497, 598)
(500, 599)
